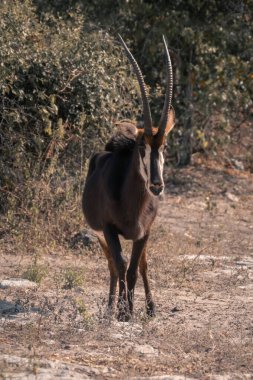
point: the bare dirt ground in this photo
(201, 270)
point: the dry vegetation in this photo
(201, 268)
(63, 83)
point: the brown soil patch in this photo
(201, 270)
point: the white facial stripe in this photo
(161, 158)
(147, 164)
(147, 157)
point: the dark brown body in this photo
(120, 195)
(116, 201)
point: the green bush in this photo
(63, 82)
(72, 277)
(211, 49)
(35, 272)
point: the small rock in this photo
(246, 263)
(146, 349)
(48, 369)
(118, 336)
(175, 309)
(17, 283)
(232, 197)
(237, 164)
(8, 308)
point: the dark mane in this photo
(124, 139)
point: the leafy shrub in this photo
(211, 50)
(72, 277)
(62, 84)
(35, 272)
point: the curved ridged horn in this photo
(144, 96)
(168, 94)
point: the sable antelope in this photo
(121, 192)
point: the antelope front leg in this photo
(132, 273)
(143, 271)
(112, 240)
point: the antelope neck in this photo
(136, 184)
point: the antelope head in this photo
(151, 140)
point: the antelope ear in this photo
(171, 122)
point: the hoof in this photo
(123, 317)
(151, 311)
(124, 314)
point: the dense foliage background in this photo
(64, 80)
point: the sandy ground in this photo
(201, 270)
